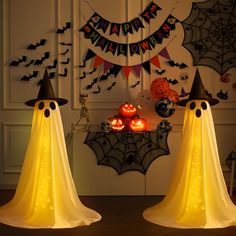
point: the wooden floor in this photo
(121, 216)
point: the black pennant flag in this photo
(147, 67)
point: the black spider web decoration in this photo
(127, 151)
(210, 32)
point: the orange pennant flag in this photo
(155, 61)
(98, 61)
(126, 70)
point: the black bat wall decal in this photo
(83, 76)
(83, 65)
(17, 62)
(64, 28)
(29, 77)
(91, 85)
(134, 85)
(92, 71)
(34, 46)
(160, 72)
(222, 95)
(183, 93)
(30, 63)
(65, 44)
(65, 52)
(54, 65)
(65, 72)
(42, 59)
(180, 65)
(97, 91)
(172, 81)
(111, 86)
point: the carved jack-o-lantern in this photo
(138, 124)
(117, 124)
(127, 110)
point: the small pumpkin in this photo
(138, 124)
(117, 124)
(127, 110)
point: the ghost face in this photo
(46, 106)
(198, 107)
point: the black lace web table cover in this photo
(126, 151)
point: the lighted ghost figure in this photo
(46, 196)
(197, 196)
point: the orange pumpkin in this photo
(127, 110)
(117, 124)
(138, 124)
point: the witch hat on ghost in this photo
(198, 92)
(46, 92)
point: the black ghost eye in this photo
(198, 113)
(204, 105)
(46, 113)
(52, 105)
(41, 105)
(192, 105)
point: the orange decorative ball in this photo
(160, 88)
(173, 96)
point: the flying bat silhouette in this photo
(29, 77)
(89, 86)
(34, 46)
(97, 91)
(134, 85)
(54, 65)
(65, 44)
(173, 64)
(65, 72)
(65, 52)
(64, 28)
(160, 72)
(173, 81)
(30, 63)
(183, 93)
(83, 76)
(17, 62)
(42, 59)
(83, 65)
(111, 86)
(222, 95)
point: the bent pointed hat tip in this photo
(46, 92)
(198, 92)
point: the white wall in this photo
(27, 21)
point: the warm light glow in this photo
(46, 196)
(197, 197)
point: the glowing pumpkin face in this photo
(138, 124)
(127, 110)
(117, 124)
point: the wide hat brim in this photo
(60, 101)
(212, 101)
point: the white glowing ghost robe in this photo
(197, 196)
(46, 196)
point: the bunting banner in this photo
(99, 23)
(115, 69)
(134, 48)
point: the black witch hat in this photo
(46, 92)
(198, 92)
